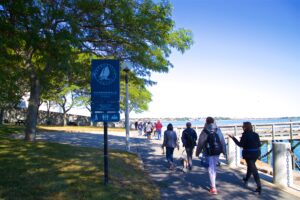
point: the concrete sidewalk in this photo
(178, 185)
(174, 185)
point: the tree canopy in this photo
(47, 36)
(12, 89)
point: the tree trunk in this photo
(65, 119)
(48, 121)
(32, 113)
(48, 109)
(1, 116)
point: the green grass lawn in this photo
(40, 170)
(77, 128)
(6, 130)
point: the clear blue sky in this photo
(245, 61)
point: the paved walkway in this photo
(175, 185)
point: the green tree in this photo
(11, 89)
(49, 94)
(47, 32)
(12, 84)
(64, 89)
(139, 95)
(139, 98)
(67, 99)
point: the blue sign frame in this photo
(105, 91)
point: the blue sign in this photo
(105, 117)
(105, 106)
(105, 91)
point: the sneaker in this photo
(213, 191)
(172, 166)
(258, 190)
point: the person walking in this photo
(211, 140)
(149, 130)
(189, 138)
(158, 127)
(140, 128)
(250, 143)
(170, 142)
(136, 125)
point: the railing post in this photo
(237, 150)
(179, 134)
(291, 131)
(268, 149)
(177, 130)
(273, 132)
(233, 153)
(291, 141)
(282, 161)
(198, 131)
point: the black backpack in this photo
(190, 140)
(213, 143)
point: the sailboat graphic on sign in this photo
(104, 73)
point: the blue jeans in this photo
(140, 132)
(158, 134)
(169, 154)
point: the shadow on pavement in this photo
(195, 184)
(88, 140)
(175, 184)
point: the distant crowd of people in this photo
(211, 144)
(149, 129)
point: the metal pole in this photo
(127, 112)
(105, 155)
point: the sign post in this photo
(105, 152)
(105, 98)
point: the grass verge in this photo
(43, 170)
(78, 129)
(6, 130)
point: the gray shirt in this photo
(170, 139)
